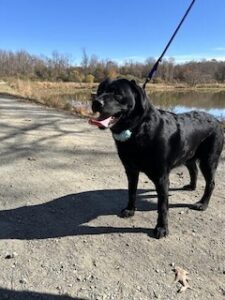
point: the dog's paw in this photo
(127, 213)
(199, 206)
(189, 187)
(161, 232)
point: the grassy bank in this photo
(53, 94)
(75, 97)
(43, 89)
(184, 87)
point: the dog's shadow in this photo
(69, 215)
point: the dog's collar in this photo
(122, 136)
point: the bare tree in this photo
(59, 67)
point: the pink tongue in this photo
(102, 123)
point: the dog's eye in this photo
(118, 98)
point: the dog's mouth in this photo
(104, 120)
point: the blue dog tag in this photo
(122, 136)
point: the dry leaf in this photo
(182, 278)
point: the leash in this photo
(155, 67)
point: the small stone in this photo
(89, 277)
(222, 291)
(23, 281)
(14, 254)
(94, 263)
(11, 255)
(31, 158)
(156, 295)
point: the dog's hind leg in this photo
(209, 155)
(132, 176)
(208, 171)
(193, 172)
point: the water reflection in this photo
(217, 112)
(176, 101)
(179, 102)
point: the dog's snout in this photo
(97, 105)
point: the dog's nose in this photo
(97, 105)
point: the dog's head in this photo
(120, 104)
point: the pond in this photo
(177, 101)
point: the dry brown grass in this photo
(41, 88)
(59, 94)
(23, 87)
(52, 93)
(82, 111)
(6, 89)
(185, 87)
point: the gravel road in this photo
(62, 186)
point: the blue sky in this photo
(116, 29)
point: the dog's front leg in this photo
(162, 185)
(132, 176)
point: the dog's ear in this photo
(103, 86)
(133, 82)
(140, 96)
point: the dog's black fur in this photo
(160, 141)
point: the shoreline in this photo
(53, 94)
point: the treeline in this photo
(59, 67)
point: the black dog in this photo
(154, 141)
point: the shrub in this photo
(89, 78)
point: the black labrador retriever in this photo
(155, 141)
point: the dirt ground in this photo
(62, 187)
